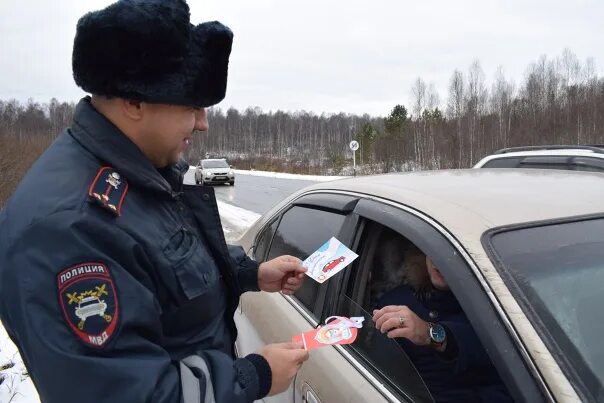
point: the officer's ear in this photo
(132, 109)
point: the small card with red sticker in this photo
(332, 257)
(337, 330)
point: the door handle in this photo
(309, 397)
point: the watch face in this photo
(437, 333)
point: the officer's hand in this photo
(388, 320)
(284, 273)
(285, 359)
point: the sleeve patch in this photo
(89, 302)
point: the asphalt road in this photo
(255, 193)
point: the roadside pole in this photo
(354, 146)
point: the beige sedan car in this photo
(522, 250)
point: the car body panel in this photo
(262, 309)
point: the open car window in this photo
(383, 357)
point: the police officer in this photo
(116, 282)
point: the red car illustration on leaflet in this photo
(332, 264)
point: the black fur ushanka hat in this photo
(147, 50)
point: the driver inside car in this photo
(424, 317)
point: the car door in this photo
(332, 373)
(376, 216)
(297, 230)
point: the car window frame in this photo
(337, 288)
(556, 161)
(510, 282)
(516, 368)
(324, 201)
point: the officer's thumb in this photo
(298, 355)
(297, 352)
(291, 346)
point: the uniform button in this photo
(433, 314)
(205, 197)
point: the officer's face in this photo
(167, 130)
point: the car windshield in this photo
(557, 272)
(214, 164)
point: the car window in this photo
(383, 357)
(563, 162)
(264, 240)
(557, 272)
(588, 164)
(508, 162)
(300, 232)
(378, 270)
(393, 240)
(214, 164)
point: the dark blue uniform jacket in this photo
(116, 282)
(470, 376)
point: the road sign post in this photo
(354, 146)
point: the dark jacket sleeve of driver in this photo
(128, 363)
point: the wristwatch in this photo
(438, 335)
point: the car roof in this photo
(485, 198)
(596, 148)
(593, 152)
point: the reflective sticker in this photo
(89, 302)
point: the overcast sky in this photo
(323, 55)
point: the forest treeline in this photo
(559, 101)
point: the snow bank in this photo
(283, 175)
(16, 385)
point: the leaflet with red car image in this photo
(328, 260)
(337, 330)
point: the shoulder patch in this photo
(89, 302)
(108, 190)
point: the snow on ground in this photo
(16, 386)
(282, 175)
(235, 220)
(19, 387)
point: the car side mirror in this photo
(230, 166)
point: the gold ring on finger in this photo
(401, 321)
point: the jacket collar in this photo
(106, 142)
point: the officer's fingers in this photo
(292, 267)
(294, 282)
(289, 258)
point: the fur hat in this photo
(147, 50)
